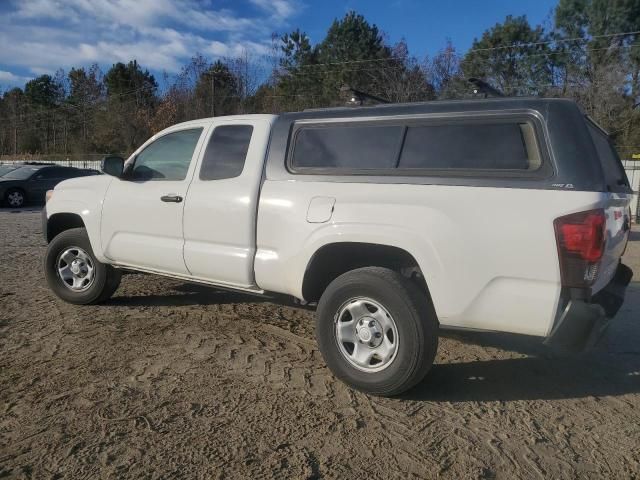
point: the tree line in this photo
(589, 53)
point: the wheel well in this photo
(59, 222)
(332, 260)
(19, 189)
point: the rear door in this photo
(618, 199)
(221, 205)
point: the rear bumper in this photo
(583, 322)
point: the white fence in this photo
(94, 164)
(632, 168)
(79, 161)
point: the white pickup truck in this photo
(506, 215)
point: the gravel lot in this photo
(170, 380)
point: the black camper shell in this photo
(572, 147)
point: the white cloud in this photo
(133, 13)
(44, 35)
(10, 78)
(280, 10)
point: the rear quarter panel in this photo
(489, 255)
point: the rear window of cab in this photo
(481, 146)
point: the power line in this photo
(20, 122)
(97, 102)
(101, 102)
(387, 59)
(297, 71)
(550, 42)
(499, 47)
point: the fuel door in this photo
(320, 209)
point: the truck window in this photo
(226, 152)
(168, 157)
(494, 145)
(499, 146)
(614, 174)
(348, 147)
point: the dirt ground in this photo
(169, 380)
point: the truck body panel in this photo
(84, 198)
(489, 255)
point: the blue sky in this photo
(40, 36)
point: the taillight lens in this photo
(581, 239)
(48, 195)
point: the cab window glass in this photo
(226, 152)
(167, 158)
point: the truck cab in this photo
(187, 202)
(183, 204)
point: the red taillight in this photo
(581, 241)
(583, 234)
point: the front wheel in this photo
(377, 332)
(74, 274)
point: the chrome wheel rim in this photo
(75, 269)
(366, 334)
(15, 199)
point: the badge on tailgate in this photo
(320, 209)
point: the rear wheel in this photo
(14, 198)
(376, 331)
(74, 274)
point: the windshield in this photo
(4, 169)
(21, 173)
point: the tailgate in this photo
(616, 205)
(617, 235)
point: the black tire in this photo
(106, 279)
(15, 198)
(415, 321)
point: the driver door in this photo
(142, 212)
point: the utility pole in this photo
(213, 95)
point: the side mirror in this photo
(113, 165)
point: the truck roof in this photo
(249, 116)
(505, 101)
(436, 106)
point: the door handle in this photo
(172, 198)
